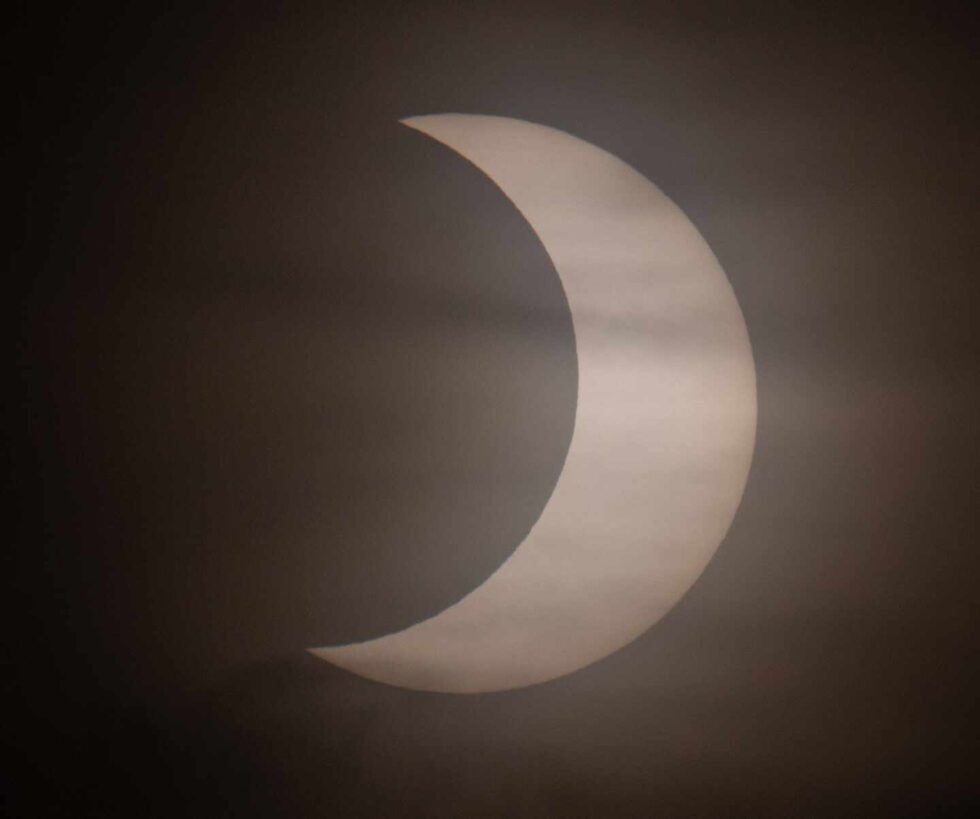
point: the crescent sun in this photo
(664, 428)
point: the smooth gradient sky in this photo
(290, 374)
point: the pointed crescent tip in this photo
(421, 122)
(424, 124)
(413, 122)
(323, 652)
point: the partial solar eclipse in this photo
(664, 428)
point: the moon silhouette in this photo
(664, 429)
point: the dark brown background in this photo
(273, 390)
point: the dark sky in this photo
(290, 374)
